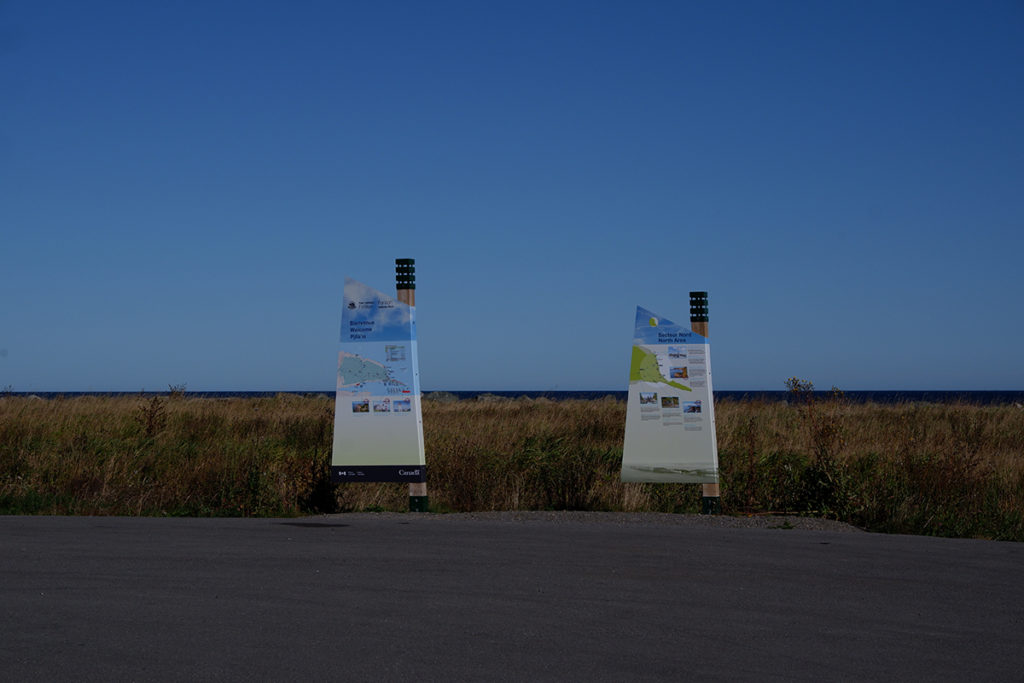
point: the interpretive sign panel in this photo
(378, 423)
(670, 415)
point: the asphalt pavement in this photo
(456, 598)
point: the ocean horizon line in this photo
(976, 396)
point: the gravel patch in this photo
(628, 518)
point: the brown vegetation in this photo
(946, 469)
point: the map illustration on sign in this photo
(385, 376)
(670, 422)
(378, 430)
(667, 367)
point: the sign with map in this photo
(670, 415)
(378, 424)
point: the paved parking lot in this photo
(544, 597)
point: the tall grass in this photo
(945, 469)
(155, 456)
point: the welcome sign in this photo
(670, 415)
(378, 422)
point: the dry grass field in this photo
(943, 469)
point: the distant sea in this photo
(971, 397)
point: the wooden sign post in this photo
(405, 288)
(710, 503)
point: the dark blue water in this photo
(972, 397)
(888, 397)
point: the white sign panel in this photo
(378, 424)
(670, 414)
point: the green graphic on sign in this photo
(646, 368)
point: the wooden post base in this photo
(710, 505)
(710, 502)
(418, 500)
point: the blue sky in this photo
(184, 187)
